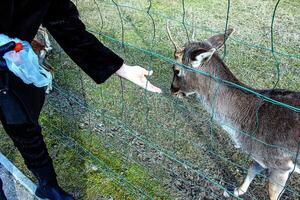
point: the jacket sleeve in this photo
(62, 21)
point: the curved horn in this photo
(171, 38)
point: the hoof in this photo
(237, 192)
(226, 192)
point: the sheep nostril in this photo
(177, 71)
(174, 89)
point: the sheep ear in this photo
(217, 41)
(202, 57)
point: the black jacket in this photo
(22, 18)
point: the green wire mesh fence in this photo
(116, 141)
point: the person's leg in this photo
(29, 141)
(2, 195)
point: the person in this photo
(2, 195)
(20, 103)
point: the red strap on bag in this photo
(18, 47)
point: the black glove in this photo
(4, 49)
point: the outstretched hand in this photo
(137, 75)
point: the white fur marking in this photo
(201, 57)
(233, 134)
(292, 166)
(260, 163)
(189, 93)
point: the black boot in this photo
(52, 191)
(48, 187)
(2, 195)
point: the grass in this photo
(136, 143)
